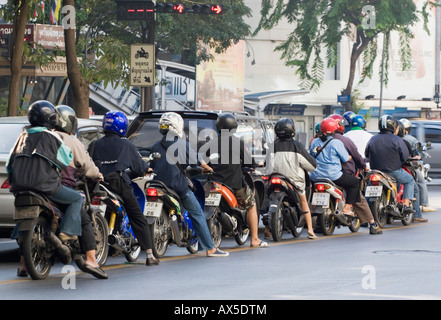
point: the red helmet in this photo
(328, 126)
(342, 122)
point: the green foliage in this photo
(321, 24)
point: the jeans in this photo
(71, 222)
(197, 217)
(422, 186)
(406, 179)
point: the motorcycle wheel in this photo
(215, 230)
(133, 255)
(355, 226)
(276, 223)
(242, 235)
(407, 220)
(101, 230)
(38, 259)
(160, 232)
(377, 208)
(193, 248)
(326, 221)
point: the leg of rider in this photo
(363, 211)
(305, 207)
(87, 240)
(71, 223)
(406, 179)
(199, 222)
(352, 187)
(137, 220)
(253, 223)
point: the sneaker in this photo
(428, 209)
(408, 210)
(218, 253)
(419, 220)
(375, 230)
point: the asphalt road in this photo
(401, 264)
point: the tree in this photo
(321, 25)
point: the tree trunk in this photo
(357, 50)
(18, 32)
(79, 86)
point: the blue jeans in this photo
(197, 217)
(405, 179)
(71, 222)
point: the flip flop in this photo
(312, 236)
(262, 244)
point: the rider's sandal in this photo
(312, 236)
(262, 244)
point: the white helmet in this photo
(407, 124)
(171, 121)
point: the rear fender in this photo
(275, 199)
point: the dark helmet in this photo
(400, 129)
(42, 113)
(116, 121)
(387, 123)
(285, 128)
(67, 119)
(226, 121)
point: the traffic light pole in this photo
(148, 100)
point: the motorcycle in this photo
(328, 200)
(231, 218)
(384, 198)
(170, 223)
(38, 221)
(121, 237)
(284, 212)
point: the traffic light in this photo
(135, 10)
(163, 7)
(208, 9)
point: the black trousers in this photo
(87, 238)
(137, 220)
(351, 184)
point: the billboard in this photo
(220, 83)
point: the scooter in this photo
(285, 212)
(385, 199)
(38, 221)
(329, 200)
(170, 223)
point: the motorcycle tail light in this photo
(375, 179)
(96, 201)
(5, 185)
(276, 181)
(320, 187)
(152, 192)
(215, 187)
(264, 177)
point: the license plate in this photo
(320, 199)
(373, 191)
(213, 199)
(153, 209)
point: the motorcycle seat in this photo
(160, 184)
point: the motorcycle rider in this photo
(358, 162)
(171, 126)
(414, 155)
(116, 154)
(330, 153)
(421, 182)
(36, 162)
(292, 160)
(387, 152)
(228, 170)
(66, 127)
(358, 134)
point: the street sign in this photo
(344, 98)
(142, 65)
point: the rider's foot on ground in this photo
(261, 244)
(217, 253)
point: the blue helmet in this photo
(358, 121)
(116, 121)
(348, 115)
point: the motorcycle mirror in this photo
(428, 144)
(155, 156)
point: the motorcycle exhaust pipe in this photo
(116, 242)
(288, 216)
(175, 231)
(62, 251)
(227, 222)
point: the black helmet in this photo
(67, 119)
(226, 121)
(387, 123)
(42, 113)
(285, 129)
(401, 129)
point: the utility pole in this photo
(437, 97)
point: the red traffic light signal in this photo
(207, 9)
(135, 10)
(170, 8)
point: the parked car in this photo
(143, 132)
(429, 131)
(10, 129)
